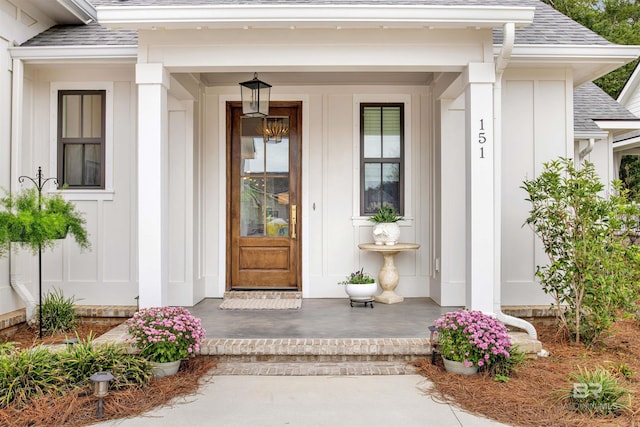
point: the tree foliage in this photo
(630, 175)
(616, 20)
(594, 269)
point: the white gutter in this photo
(624, 125)
(74, 53)
(501, 64)
(305, 16)
(574, 53)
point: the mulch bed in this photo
(27, 336)
(530, 397)
(79, 408)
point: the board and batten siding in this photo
(537, 127)
(331, 225)
(18, 23)
(107, 273)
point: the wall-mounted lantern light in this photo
(255, 97)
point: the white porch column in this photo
(153, 207)
(479, 155)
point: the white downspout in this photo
(17, 85)
(586, 150)
(501, 64)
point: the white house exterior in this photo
(628, 143)
(485, 89)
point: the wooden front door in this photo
(263, 183)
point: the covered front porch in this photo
(326, 336)
(322, 318)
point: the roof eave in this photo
(588, 61)
(81, 9)
(618, 126)
(627, 144)
(311, 16)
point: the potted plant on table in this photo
(469, 340)
(165, 336)
(360, 286)
(386, 230)
(36, 221)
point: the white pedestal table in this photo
(388, 276)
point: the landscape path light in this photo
(101, 387)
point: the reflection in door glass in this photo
(264, 187)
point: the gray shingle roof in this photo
(592, 103)
(83, 35)
(549, 26)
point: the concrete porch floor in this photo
(324, 337)
(322, 318)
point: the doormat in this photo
(261, 300)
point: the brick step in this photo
(314, 369)
(317, 358)
(320, 350)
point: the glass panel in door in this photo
(264, 177)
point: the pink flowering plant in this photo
(166, 334)
(473, 338)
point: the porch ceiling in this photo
(319, 78)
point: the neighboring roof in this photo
(630, 87)
(549, 27)
(590, 104)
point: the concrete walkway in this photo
(257, 401)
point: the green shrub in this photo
(82, 360)
(622, 370)
(596, 393)
(593, 271)
(503, 367)
(58, 314)
(27, 374)
(30, 373)
(7, 347)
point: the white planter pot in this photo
(361, 291)
(459, 368)
(386, 233)
(160, 370)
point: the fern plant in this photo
(36, 221)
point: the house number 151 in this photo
(481, 138)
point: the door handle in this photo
(294, 220)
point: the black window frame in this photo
(382, 160)
(64, 141)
